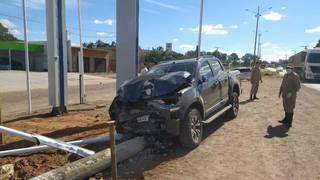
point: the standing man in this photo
(255, 80)
(143, 68)
(289, 87)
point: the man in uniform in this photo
(289, 87)
(255, 80)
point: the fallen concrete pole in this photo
(36, 149)
(98, 162)
(48, 141)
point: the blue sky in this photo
(289, 25)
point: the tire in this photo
(234, 101)
(191, 129)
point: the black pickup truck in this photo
(176, 98)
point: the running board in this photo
(218, 114)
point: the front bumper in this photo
(153, 118)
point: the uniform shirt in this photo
(290, 84)
(255, 75)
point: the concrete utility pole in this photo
(259, 45)
(258, 14)
(200, 31)
(26, 54)
(57, 55)
(80, 60)
(256, 34)
(127, 39)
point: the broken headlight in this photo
(148, 88)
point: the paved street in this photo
(315, 86)
(16, 80)
(14, 98)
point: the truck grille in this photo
(315, 69)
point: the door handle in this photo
(216, 83)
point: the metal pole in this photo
(61, 43)
(2, 138)
(10, 61)
(200, 31)
(256, 35)
(113, 150)
(80, 59)
(26, 51)
(36, 149)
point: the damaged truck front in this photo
(160, 102)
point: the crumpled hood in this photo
(152, 86)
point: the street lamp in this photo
(258, 14)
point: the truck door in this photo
(209, 86)
(222, 77)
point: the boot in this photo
(289, 121)
(251, 97)
(285, 119)
(255, 97)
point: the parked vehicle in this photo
(307, 64)
(245, 72)
(176, 98)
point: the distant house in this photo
(12, 56)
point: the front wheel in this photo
(191, 129)
(234, 102)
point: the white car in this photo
(245, 73)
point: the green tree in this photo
(219, 55)
(318, 44)
(158, 54)
(233, 58)
(5, 35)
(247, 59)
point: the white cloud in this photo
(313, 30)
(107, 21)
(187, 47)
(181, 29)
(168, 6)
(274, 52)
(7, 23)
(104, 34)
(245, 22)
(10, 26)
(270, 45)
(273, 16)
(15, 32)
(234, 27)
(211, 29)
(283, 7)
(175, 40)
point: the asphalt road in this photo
(14, 98)
(314, 85)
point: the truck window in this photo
(216, 67)
(314, 58)
(205, 70)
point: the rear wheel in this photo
(234, 102)
(191, 129)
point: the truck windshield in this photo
(314, 58)
(173, 67)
